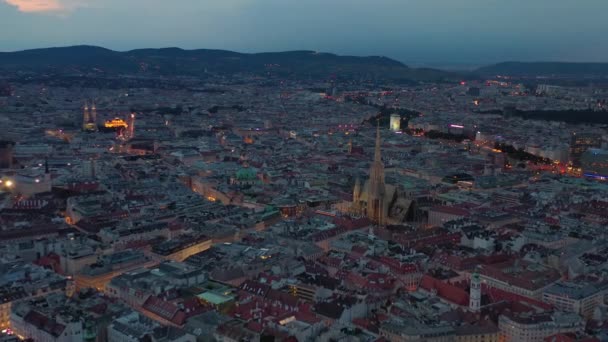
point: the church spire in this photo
(377, 155)
(357, 190)
(376, 209)
(85, 115)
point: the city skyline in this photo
(436, 33)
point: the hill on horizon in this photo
(175, 61)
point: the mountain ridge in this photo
(177, 61)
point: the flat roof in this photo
(214, 298)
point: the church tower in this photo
(376, 191)
(356, 206)
(475, 292)
(93, 116)
(85, 116)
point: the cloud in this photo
(46, 6)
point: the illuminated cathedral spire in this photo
(93, 116)
(376, 191)
(85, 115)
(89, 117)
(377, 153)
(356, 206)
(357, 189)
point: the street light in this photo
(9, 183)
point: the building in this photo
(89, 118)
(581, 297)
(29, 185)
(50, 319)
(38, 326)
(535, 327)
(580, 143)
(22, 281)
(594, 162)
(486, 332)
(6, 154)
(395, 122)
(131, 328)
(439, 215)
(55, 317)
(475, 293)
(304, 292)
(98, 274)
(373, 200)
(413, 331)
(116, 123)
(134, 327)
(89, 169)
(519, 277)
(134, 287)
(75, 257)
(181, 248)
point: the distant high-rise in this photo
(395, 122)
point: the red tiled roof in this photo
(283, 298)
(497, 295)
(449, 292)
(397, 266)
(44, 323)
(255, 326)
(166, 310)
(524, 278)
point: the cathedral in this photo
(380, 202)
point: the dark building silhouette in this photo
(6, 154)
(580, 143)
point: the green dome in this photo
(246, 174)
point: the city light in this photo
(116, 123)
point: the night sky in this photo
(433, 32)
